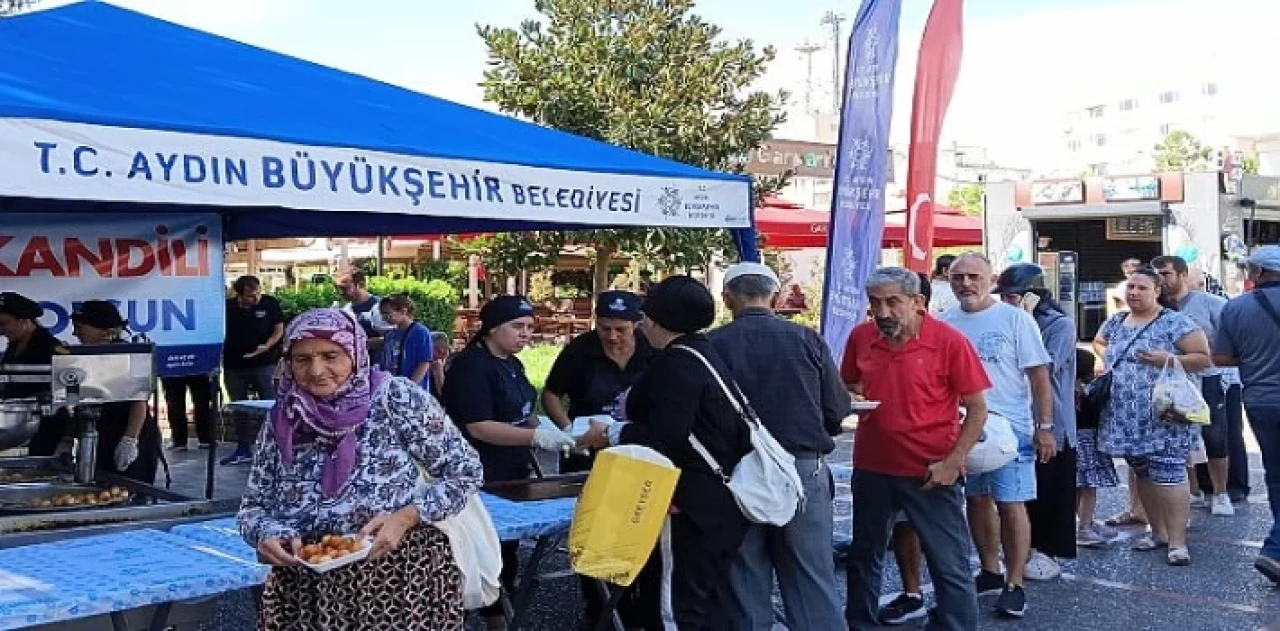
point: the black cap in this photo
(98, 314)
(1019, 279)
(502, 310)
(618, 305)
(680, 304)
(19, 306)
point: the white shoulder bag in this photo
(474, 542)
(765, 483)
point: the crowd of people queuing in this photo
(377, 428)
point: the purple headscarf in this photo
(334, 420)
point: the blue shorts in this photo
(1168, 468)
(1011, 484)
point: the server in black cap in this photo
(488, 395)
(686, 580)
(128, 435)
(30, 343)
(596, 367)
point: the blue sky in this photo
(1019, 76)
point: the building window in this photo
(1073, 145)
(1210, 89)
(1100, 140)
(1128, 105)
(1168, 97)
(1165, 129)
(1096, 112)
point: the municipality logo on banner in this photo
(857, 208)
(164, 274)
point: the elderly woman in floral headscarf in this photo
(343, 453)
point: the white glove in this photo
(126, 453)
(548, 437)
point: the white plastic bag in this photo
(1176, 397)
(996, 447)
(476, 550)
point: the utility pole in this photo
(834, 20)
(808, 49)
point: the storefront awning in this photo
(1067, 212)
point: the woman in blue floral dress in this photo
(341, 453)
(1155, 449)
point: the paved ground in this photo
(1102, 589)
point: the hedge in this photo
(437, 301)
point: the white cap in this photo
(751, 269)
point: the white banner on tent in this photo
(164, 273)
(58, 160)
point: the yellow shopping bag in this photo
(620, 513)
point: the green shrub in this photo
(437, 301)
(537, 362)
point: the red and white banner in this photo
(936, 74)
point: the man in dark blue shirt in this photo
(791, 379)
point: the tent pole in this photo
(382, 255)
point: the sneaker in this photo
(904, 608)
(988, 583)
(1222, 505)
(1269, 567)
(1198, 500)
(1040, 567)
(1178, 557)
(1090, 538)
(237, 458)
(1012, 602)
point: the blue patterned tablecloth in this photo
(529, 520)
(219, 535)
(92, 576)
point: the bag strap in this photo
(1135, 339)
(693, 440)
(1267, 306)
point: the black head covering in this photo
(19, 306)
(502, 310)
(98, 314)
(618, 305)
(680, 304)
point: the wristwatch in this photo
(1045, 427)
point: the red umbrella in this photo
(785, 228)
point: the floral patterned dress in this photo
(418, 586)
(1129, 426)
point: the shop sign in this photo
(1057, 192)
(1131, 189)
(803, 159)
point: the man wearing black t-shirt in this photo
(255, 324)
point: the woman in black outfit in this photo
(488, 395)
(128, 434)
(30, 344)
(685, 581)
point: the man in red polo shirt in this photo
(910, 451)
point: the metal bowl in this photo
(19, 420)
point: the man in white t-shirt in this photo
(1011, 349)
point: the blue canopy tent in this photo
(105, 112)
(103, 108)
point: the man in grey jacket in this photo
(789, 376)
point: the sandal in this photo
(1148, 542)
(1179, 557)
(1125, 518)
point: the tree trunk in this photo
(604, 256)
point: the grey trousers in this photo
(938, 518)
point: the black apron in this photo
(112, 423)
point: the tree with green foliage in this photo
(9, 7)
(1181, 151)
(644, 74)
(967, 199)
